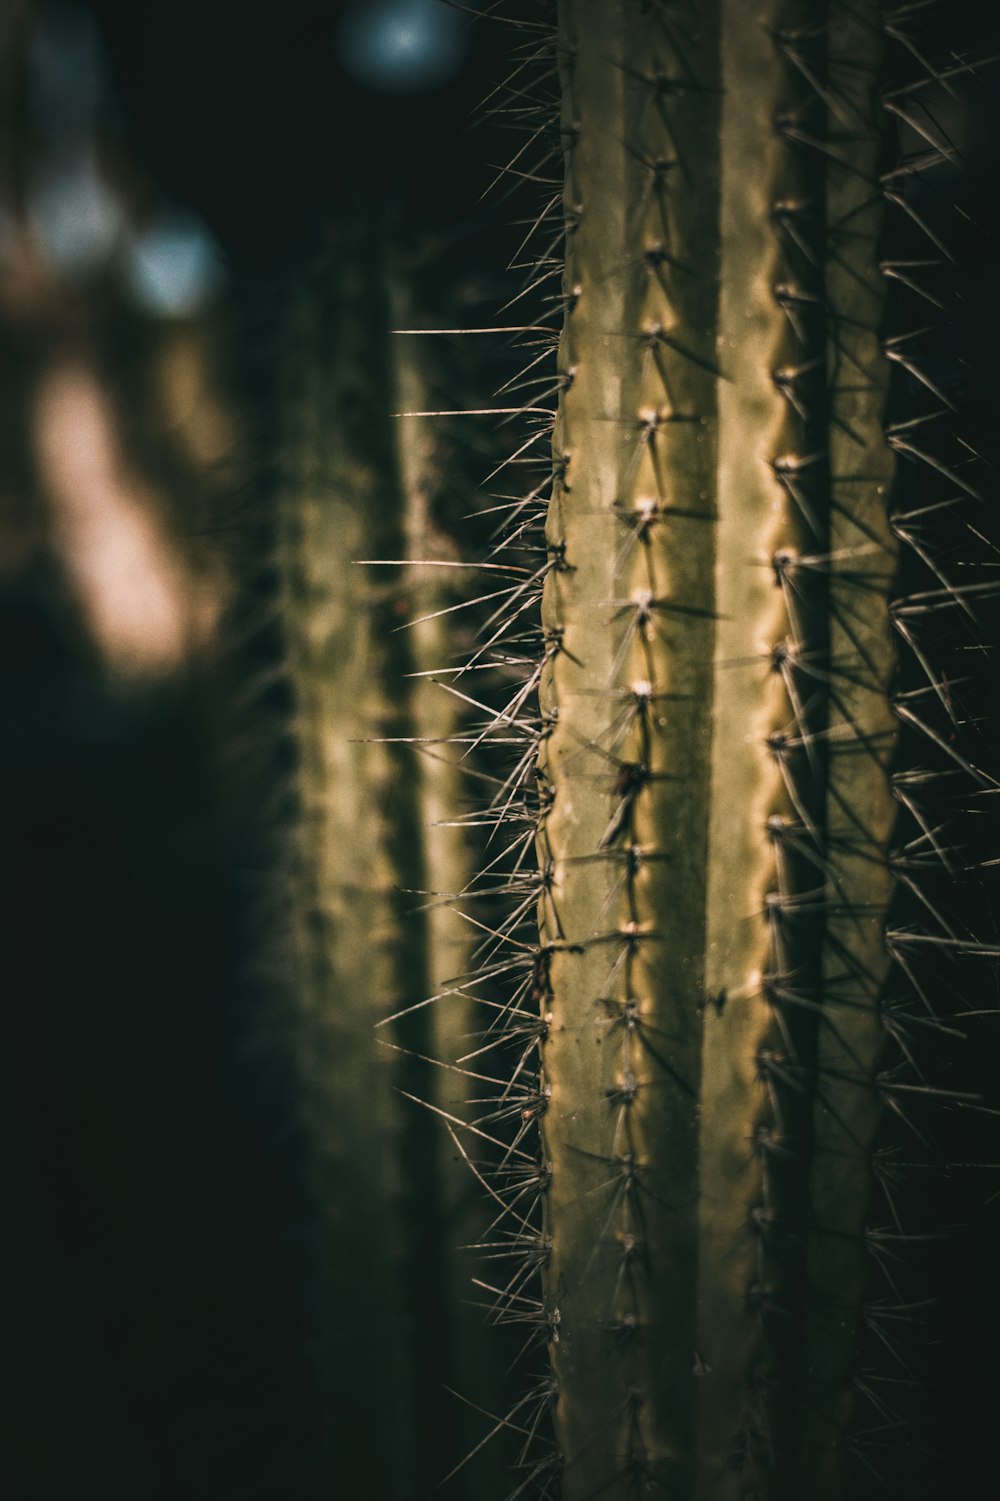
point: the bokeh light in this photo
(401, 46)
(76, 218)
(172, 267)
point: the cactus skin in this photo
(732, 915)
(364, 943)
(766, 805)
(628, 604)
(332, 489)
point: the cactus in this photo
(750, 784)
(373, 843)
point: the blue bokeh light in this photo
(76, 218)
(401, 46)
(173, 268)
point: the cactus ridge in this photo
(735, 702)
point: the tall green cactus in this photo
(723, 999)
